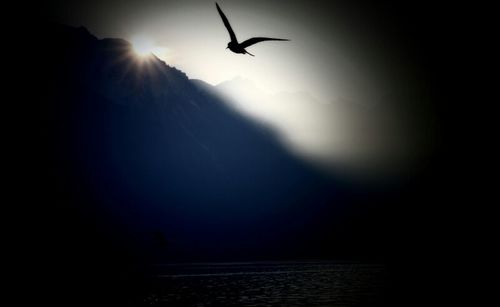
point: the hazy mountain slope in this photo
(141, 149)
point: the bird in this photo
(236, 47)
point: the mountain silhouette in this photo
(157, 151)
(139, 164)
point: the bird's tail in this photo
(249, 53)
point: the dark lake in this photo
(266, 284)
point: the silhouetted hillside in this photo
(140, 148)
(139, 164)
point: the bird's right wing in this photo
(255, 40)
(226, 23)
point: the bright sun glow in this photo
(143, 46)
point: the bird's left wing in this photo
(255, 40)
(226, 23)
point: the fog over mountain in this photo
(357, 137)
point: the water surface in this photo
(266, 284)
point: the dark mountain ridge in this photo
(82, 174)
(138, 164)
(153, 151)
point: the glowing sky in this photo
(335, 55)
(326, 57)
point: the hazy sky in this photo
(339, 51)
(333, 50)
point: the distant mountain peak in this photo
(238, 81)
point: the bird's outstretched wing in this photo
(226, 23)
(255, 40)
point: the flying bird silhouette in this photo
(236, 47)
